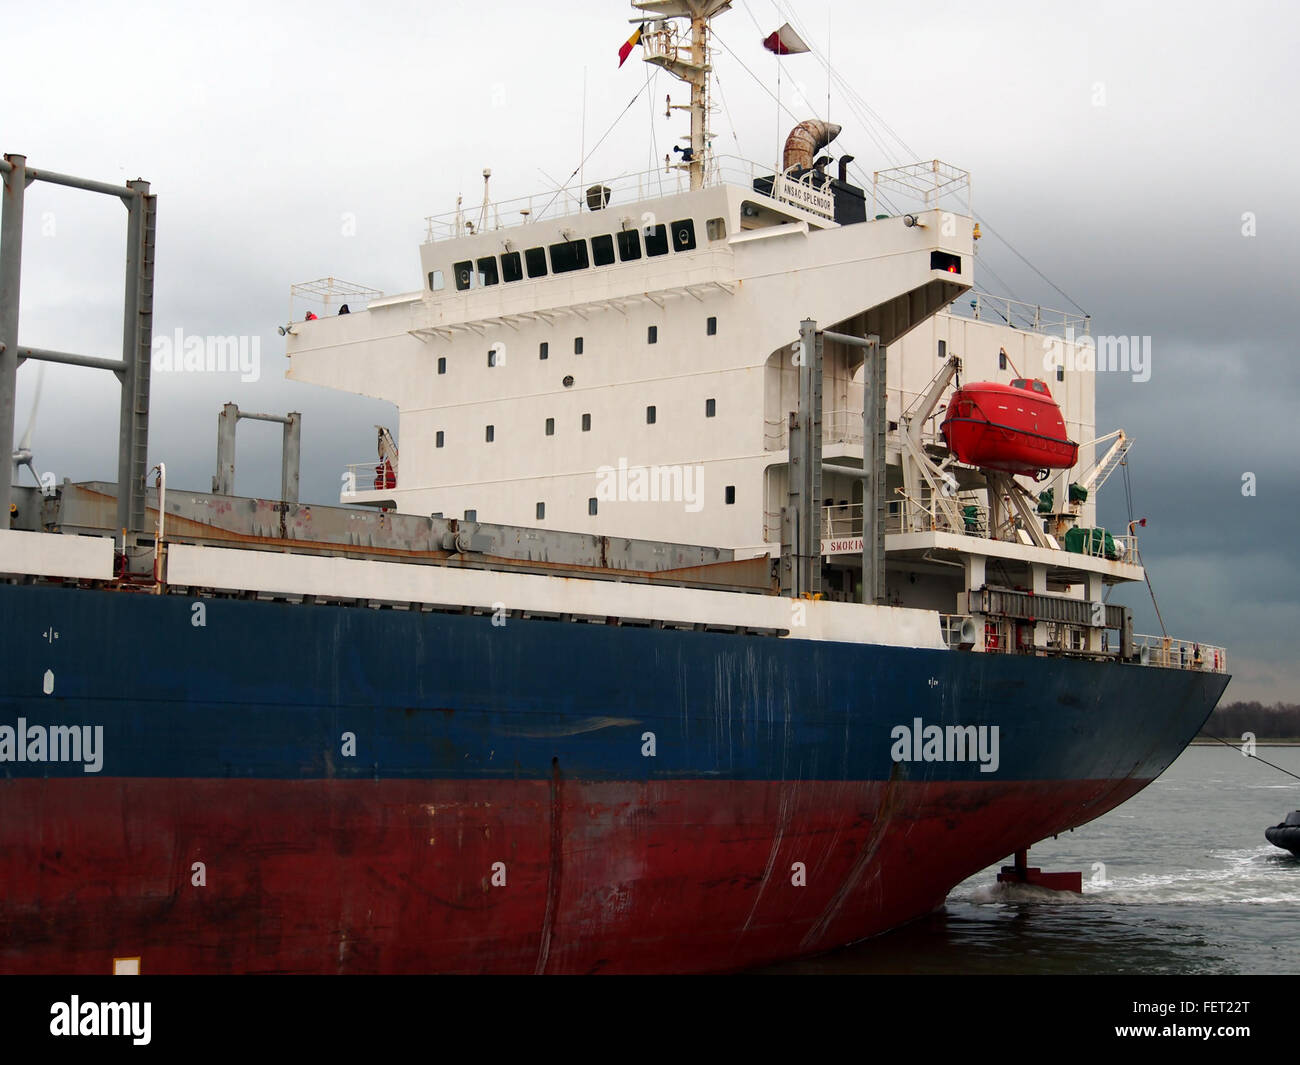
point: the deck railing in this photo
(571, 198)
(1181, 654)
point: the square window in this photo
(491, 433)
(586, 423)
(716, 228)
(567, 256)
(550, 426)
(543, 350)
(649, 415)
(684, 235)
(710, 408)
(464, 272)
(442, 364)
(535, 261)
(730, 494)
(591, 505)
(652, 335)
(487, 271)
(602, 249)
(471, 515)
(437, 441)
(541, 511)
(436, 281)
(512, 266)
(711, 327)
(577, 345)
(656, 240)
(629, 245)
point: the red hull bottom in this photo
(398, 876)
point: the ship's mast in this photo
(688, 62)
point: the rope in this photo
(1146, 573)
(1257, 758)
(583, 162)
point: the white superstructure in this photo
(621, 359)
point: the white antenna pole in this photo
(582, 145)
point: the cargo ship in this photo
(665, 634)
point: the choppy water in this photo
(1178, 880)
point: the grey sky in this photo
(1117, 146)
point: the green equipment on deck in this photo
(1095, 542)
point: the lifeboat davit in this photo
(1015, 428)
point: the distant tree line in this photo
(1280, 721)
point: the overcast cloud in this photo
(1117, 146)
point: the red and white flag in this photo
(785, 42)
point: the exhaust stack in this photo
(805, 141)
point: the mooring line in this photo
(1250, 754)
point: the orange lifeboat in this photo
(1015, 428)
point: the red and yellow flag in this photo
(631, 43)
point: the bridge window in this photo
(570, 255)
(535, 260)
(710, 408)
(649, 415)
(629, 245)
(436, 281)
(711, 326)
(602, 249)
(577, 345)
(550, 426)
(586, 423)
(541, 511)
(1002, 358)
(656, 240)
(1060, 373)
(591, 505)
(437, 440)
(512, 267)
(442, 364)
(471, 515)
(684, 235)
(487, 271)
(543, 350)
(730, 495)
(652, 335)
(716, 228)
(490, 433)
(464, 272)
(492, 356)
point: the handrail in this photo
(571, 198)
(980, 306)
